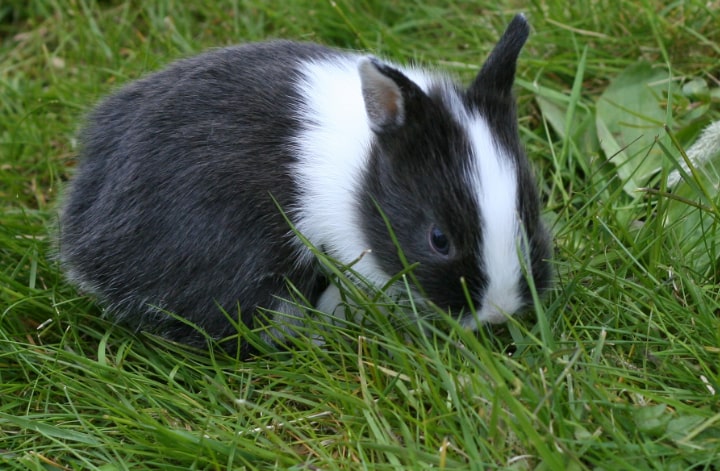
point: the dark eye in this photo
(439, 241)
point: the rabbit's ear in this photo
(498, 73)
(387, 93)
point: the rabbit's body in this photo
(175, 203)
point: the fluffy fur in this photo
(173, 206)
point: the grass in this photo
(617, 368)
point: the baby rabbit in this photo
(184, 175)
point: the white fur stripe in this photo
(494, 179)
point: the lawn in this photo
(616, 368)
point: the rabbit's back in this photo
(179, 179)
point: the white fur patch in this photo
(333, 153)
(494, 179)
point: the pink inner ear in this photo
(383, 97)
(389, 98)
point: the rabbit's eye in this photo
(438, 240)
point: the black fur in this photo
(426, 158)
(174, 192)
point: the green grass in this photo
(617, 368)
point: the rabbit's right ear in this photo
(387, 93)
(498, 73)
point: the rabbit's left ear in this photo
(387, 93)
(498, 73)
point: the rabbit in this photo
(194, 183)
